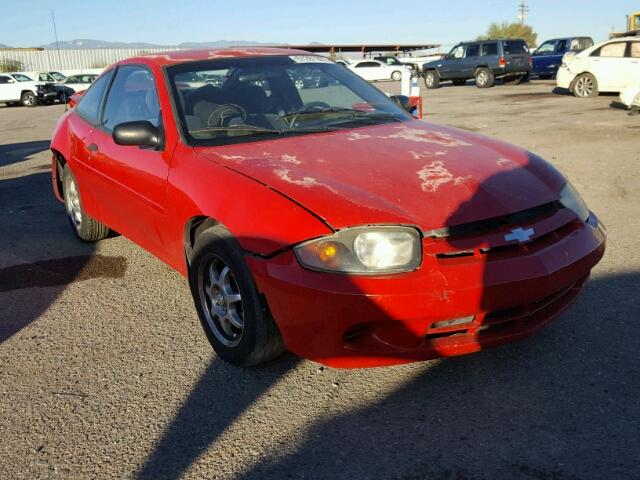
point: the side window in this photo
(72, 80)
(89, 105)
(473, 51)
(635, 49)
(562, 46)
(42, 77)
(132, 97)
(4, 79)
(457, 52)
(489, 49)
(611, 50)
(368, 64)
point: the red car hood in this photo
(412, 173)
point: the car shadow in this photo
(18, 152)
(561, 404)
(39, 254)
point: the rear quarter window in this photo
(489, 49)
(89, 105)
(473, 51)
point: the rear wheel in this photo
(87, 228)
(432, 79)
(586, 86)
(484, 78)
(396, 76)
(29, 99)
(232, 313)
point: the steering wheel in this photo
(223, 114)
(308, 107)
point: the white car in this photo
(610, 66)
(631, 98)
(373, 70)
(19, 88)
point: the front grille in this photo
(485, 240)
(483, 226)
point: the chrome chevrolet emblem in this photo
(520, 235)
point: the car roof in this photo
(492, 40)
(183, 56)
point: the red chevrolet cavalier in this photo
(311, 212)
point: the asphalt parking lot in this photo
(105, 372)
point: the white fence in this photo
(72, 60)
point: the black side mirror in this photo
(402, 101)
(140, 133)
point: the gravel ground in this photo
(105, 372)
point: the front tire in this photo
(585, 86)
(432, 80)
(29, 99)
(485, 78)
(233, 315)
(86, 227)
(396, 76)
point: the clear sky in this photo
(28, 22)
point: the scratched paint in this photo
(427, 136)
(435, 174)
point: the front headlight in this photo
(364, 250)
(571, 199)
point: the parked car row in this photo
(21, 88)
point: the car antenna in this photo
(55, 34)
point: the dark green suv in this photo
(485, 61)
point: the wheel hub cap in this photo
(221, 301)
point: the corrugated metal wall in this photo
(42, 60)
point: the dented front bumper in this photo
(452, 305)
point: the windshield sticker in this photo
(310, 59)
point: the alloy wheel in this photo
(72, 201)
(584, 87)
(221, 301)
(482, 79)
(429, 80)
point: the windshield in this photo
(389, 60)
(547, 47)
(21, 78)
(245, 99)
(57, 76)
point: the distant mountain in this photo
(2, 45)
(85, 43)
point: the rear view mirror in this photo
(140, 134)
(402, 101)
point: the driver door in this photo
(131, 180)
(452, 64)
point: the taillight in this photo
(502, 62)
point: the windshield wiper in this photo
(349, 113)
(255, 130)
(234, 128)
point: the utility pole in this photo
(523, 9)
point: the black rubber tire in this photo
(261, 340)
(459, 82)
(490, 81)
(432, 80)
(29, 99)
(88, 229)
(575, 89)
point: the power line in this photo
(522, 9)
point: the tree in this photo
(10, 65)
(511, 30)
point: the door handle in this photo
(92, 147)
